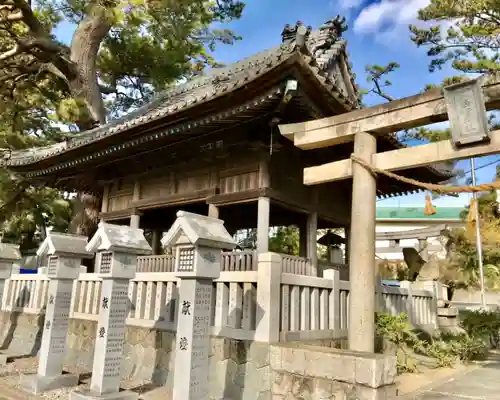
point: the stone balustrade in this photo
(245, 260)
(309, 307)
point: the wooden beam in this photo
(237, 197)
(410, 112)
(401, 159)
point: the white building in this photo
(399, 227)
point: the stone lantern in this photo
(117, 248)
(198, 242)
(65, 253)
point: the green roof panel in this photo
(418, 213)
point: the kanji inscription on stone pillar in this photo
(118, 248)
(198, 241)
(65, 253)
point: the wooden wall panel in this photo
(157, 187)
(120, 195)
(239, 183)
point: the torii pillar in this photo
(361, 332)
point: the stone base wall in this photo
(20, 333)
(287, 386)
(239, 370)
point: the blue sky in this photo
(378, 33)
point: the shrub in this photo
(483, 324)
(397, 331)
(445, 349)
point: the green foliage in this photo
(397, 331)
(141, 47)
(470, 42)
(285, 240)
(483, 324)
(151, 48)
(282, 239)
(397, 270)
(445, 349)
(449, 348)
(377, 77)
(461, 269)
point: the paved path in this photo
(481, 383)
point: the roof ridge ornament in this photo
(289, 32)
(335, 26)
(329, 33)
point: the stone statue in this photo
(419, 269)
(413, 261)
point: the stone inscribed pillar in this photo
(117, 250)
(65, 253)
(198, 241)
(9, 254)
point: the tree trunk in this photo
(85, 44)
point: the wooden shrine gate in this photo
(465, 106)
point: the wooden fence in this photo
(310, 307)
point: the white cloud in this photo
(388, 19)
(350, 4)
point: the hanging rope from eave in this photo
(431, 187)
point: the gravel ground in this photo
(9, 379)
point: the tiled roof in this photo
(418, 213)
(64, 243)
(120, 238)
(9, 252)
(324, 45)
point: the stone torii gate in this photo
(465, 106)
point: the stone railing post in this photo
(268, 298)
(117, 249)
(334, 306)
(198, 241)
(65, 253)
(409, 309)
(9, 254)
(438, 301)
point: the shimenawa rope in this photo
(432, 187)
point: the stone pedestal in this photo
(65, 255)
(198, 241)
(118, 248)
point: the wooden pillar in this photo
(303, 239)
(347, 237)
(312, 245)
(135, 218)
(156, 242)
(105, 199)
(361, 333)
(264, 174)
(263, 209)
(213, 211)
